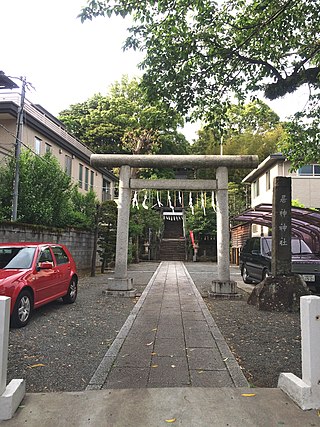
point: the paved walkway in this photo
(169, 340)
(169, 364)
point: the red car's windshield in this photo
(16, 258)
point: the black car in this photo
(255, 261)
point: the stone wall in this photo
(79, 243)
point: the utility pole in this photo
(18, 151)
(221, 145)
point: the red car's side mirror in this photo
(45, 265)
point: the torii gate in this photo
(121, 284)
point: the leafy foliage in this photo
(301, 141)
(107, 232)
(125, 121)
(82, 208)
(202, 55)
(46, 194)
(253, 129)
(144, 224)
(201, 223)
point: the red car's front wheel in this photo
(22, 309)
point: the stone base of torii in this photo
(121, 284)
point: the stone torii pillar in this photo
(121, 284)
(223, 286)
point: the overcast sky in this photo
(66, 61)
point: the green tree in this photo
(82, 208)
(125, 121)
(202, 54)
(253, 129)
(144, 224)
(201, 222)
(107, 232)
(46, 194)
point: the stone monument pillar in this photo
(282, 290)
(281, 226)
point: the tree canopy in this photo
(253, 128)
(201, 55)
(125, 121)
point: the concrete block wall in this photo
(79, 243)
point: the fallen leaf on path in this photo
(154, 366)
(248, 394)
(150, 343)
(153, 354)
(171, 420)
(37, 365)
(154, 329)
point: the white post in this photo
(121, 282)
(306, 391)
(4, 341)
(11, 394)
(310, 340)
(223, 286)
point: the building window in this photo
(67, 164)
(268, 180)
(256, 189)
(106, 190)
(254, 228)
(86, 179)
(48, 148)
(80, 175)
(37, 145)
(309, 170)
(91, 179)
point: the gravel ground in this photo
(264, 343)
(63, 345)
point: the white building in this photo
(305, 184)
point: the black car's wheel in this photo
(265, 274)
(71, 295)
(22, 309)
(245, 275)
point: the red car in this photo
(33, 274)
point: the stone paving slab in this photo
(146, 407)
(171, 340)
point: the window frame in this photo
(80, 180)
(37, 145)
(68, 164)
(91, 180)
(86, 179)
(312, 170)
